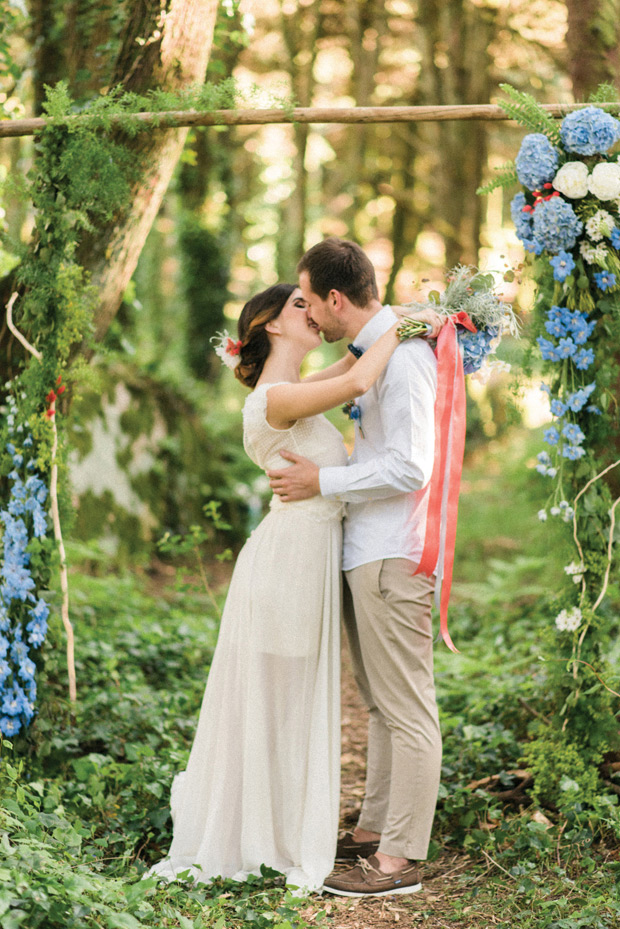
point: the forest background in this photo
(154, 425)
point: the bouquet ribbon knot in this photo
(443, 502)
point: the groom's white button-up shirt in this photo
(385, 481)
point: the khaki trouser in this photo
(390, 636)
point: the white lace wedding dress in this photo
(262, 781)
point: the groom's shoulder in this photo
(414, 353)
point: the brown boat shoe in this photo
(349, 848)
(367, 880)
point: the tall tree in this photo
(593, 43)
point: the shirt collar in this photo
(375, 327)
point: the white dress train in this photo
(263, 779)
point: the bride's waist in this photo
(314, 507)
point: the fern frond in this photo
(604, 93)
(525, 110)
(505, 176)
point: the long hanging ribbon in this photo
(442, 514)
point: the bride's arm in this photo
(333, 370)
(288, 402)
(429, 316)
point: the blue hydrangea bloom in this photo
(562, 265)
(605, 280)
(522, 221)
(537, 161)
(555, 225)
(544, 458)
(589, 131)
(547, 349)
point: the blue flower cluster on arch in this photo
(23, 613)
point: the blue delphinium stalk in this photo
(589, 131)
(569, 331)
(23, 615)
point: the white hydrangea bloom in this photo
(600, 225)
(572, 180)
(569, 620)
(593, 254)
(542, 515)
(604, 182)
(555, 510)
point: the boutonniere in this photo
(354, 413)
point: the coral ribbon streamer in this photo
(443, 503)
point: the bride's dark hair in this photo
(255, 315)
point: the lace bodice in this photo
(313, 437)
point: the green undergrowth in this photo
(84, 796)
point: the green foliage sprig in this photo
(527, 111)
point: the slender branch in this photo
(64, 578)
(612, 526)
(575, 661)
(21, 338)
(172, 119)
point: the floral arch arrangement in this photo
(568, 218)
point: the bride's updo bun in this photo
(255, 315)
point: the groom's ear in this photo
(334, 300)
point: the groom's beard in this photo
(333, 329)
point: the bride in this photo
(262, 782)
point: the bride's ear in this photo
(273, 328)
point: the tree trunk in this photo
(593, 41)
(465, 30)
(177, 41)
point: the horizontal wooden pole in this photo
(11, 128)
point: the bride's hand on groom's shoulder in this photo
(435, 320)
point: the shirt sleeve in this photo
(406, 397)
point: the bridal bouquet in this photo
(480, 317)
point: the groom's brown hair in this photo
(338, 264)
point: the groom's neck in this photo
(359, 316)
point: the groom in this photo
(389, 628)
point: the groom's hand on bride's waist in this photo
(297, 482)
